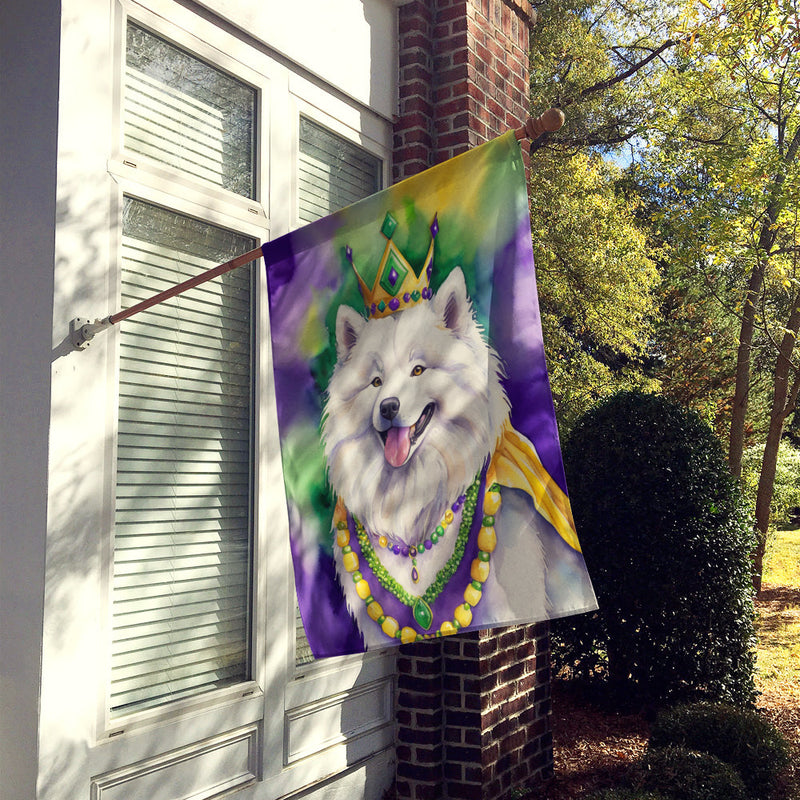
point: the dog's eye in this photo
(418, 370)
(377, 382)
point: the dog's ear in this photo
(452, 304)
(348, 327)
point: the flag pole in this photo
(82, 331)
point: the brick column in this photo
(473, 711)
(473, 714)
(463, 77)
(413, 126)
(420, 722)
(497, 711)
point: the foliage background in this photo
(666, 214)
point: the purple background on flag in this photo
(517, 336)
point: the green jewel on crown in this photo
(397, 285)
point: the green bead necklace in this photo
(444, 574)
(421, 606)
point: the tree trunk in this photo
(766, 240)
(742, 388)
(784, 398)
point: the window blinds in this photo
(182, 526)
(188, 115)
(333, 173)
(182, 543)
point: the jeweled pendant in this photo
(414, 575)
(423, 614)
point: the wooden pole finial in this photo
(534, 127)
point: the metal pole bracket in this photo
(82, 330)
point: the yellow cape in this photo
(516, 464)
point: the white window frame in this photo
(309, 101)
(112, 727)
(137, 177)
(309, 688)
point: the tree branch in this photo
(720, 140)
(578, 143)
(601, 86)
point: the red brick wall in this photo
(473, 715)
(473, 711)
(507, 673)
(463, 77)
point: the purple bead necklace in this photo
(413, 551)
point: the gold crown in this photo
(397, 285)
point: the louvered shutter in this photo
(333, 173)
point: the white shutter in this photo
(182, 542)
(333, 173)
(186, 114)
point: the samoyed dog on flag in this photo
(424, 482)
(416, 433)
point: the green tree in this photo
(597, 278)
(706, 97)
(695, 341)
(598, 60)
(725, 152)
(786, 491)
(596, 281)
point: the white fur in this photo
(461, 377)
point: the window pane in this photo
(333, 173)
(182, 542)
(182, 112)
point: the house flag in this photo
(421, 461)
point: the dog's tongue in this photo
(398, 443)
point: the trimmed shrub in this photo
(683, 774)
(743, 739)
(667, 541)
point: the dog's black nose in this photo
(389, 407)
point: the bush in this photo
(667, 542)
(743, 739)
(683, 774)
